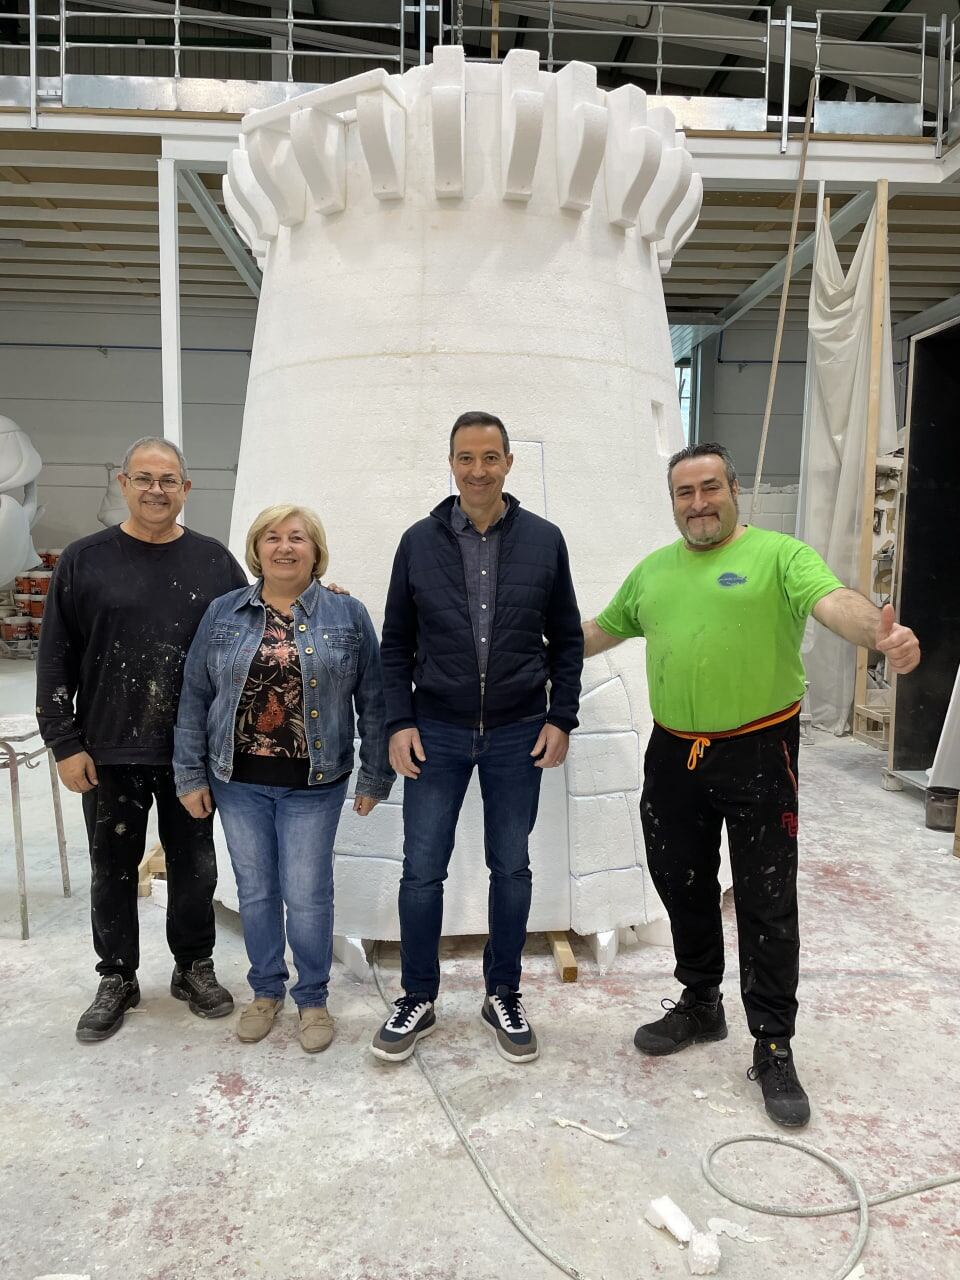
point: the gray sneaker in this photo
(412, 1018)
(516, 1039)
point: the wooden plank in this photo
(154, 864)
(869, 479)
(563, 956)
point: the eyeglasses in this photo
(143, 484)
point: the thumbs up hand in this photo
(899, 644)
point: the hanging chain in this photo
(460, 22)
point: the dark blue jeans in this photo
(510, 787)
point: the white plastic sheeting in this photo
(835, 424)
(945, 770)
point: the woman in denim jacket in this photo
(266, 723)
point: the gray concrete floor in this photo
(172, 1151)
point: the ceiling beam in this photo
(145, 194)
(853, 213)
(85, 253)
(751, 238)
(222, 231)
(148, 217)
(107, 236)
(940, 313)
(107, 161)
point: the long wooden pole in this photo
(495, 34)
(869, 483)
(782, 314)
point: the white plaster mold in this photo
(521, 122)
(581, 134)
(465, 236)
(20, 465)
(633, 154)
(448, 100)
(113, 507)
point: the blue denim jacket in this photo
(340, 666)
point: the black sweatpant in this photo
(749, 782)
(116, 817)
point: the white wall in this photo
(776, 507)
(733, 373)
(85, 383)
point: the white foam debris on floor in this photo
(667, 1216)
(720, 1109)
(703, 1258)
(724, 1227)
(699, 1094)
(594, 1133)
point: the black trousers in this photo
(116, 816)
(750, 783)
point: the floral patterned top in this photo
(270, 714)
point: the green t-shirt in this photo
(723, 627)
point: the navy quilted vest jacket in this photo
(428, 651)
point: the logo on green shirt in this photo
(730, 580)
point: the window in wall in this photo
(682, 373)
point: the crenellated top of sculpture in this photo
(291, 165)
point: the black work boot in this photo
(783, 1094)
(114, 997)
(695, 1018)
(198, 985)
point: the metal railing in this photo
(289, 35)
(953, 70)
(655, 44)
(840, 70)
(558, 23)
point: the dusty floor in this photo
(172, 1151)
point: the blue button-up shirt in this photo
(480, 552)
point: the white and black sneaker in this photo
(516, 1039)
(412, 1018)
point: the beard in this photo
(708, 536)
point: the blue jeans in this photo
(281, 847)
(510, 787)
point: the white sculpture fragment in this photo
(20, 464)
(521, 122)
(113, 508)
(475, 236)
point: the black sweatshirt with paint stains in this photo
(118, 622)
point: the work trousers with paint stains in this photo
(116, 816)
(749, 783)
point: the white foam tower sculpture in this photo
(475, 237)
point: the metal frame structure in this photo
(741, 40)
(15, 733)
(195, 138)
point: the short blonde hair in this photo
(272, 516)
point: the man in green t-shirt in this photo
(723, 612)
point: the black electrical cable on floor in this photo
(862, 1202)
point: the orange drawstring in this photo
(697, 748)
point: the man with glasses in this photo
(122, 609)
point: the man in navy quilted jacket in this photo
(482, 652)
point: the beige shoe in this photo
(256, 1019)
(316, 1029)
